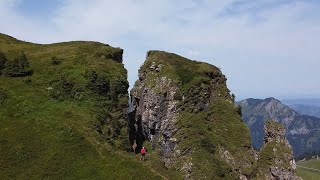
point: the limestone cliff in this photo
(185, 110)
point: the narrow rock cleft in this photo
(155, 111)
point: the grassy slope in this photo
(205, 132)
(308, 174)
(45, 138)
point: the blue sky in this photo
(264, 47)
(38, 9)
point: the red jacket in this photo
(143, 151)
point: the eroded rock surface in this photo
(154, 115)
(276, 157)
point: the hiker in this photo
(143, 153)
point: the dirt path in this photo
(102, 147)
(158, 173)
(318, 170)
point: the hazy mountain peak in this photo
(271, 108)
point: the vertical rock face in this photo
(184, 109)
(276, 156)
(155, 112)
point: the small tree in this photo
(55, 61)
(19, 67)
(3, 60)
(3, 96)
(11, 68)
(22, 60)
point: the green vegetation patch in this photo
(67, 120)
(309, 170)
(180, 69)
(272, 151)
(218, 126)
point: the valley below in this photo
(309, 170)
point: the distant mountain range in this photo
(304, 101)
(303, 131)
(309, 107)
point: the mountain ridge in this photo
(298, 126)
(69, 117)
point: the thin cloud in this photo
(259, 45)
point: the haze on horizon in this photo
(265, 48)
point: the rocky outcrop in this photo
(274, 133)
(184, 109)
(276, 156)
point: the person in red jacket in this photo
(143, 153)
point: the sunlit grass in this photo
(46, 138)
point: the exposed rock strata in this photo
(155, 114)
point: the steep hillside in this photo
(184, 110)
(63, 112)
(303, 132)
